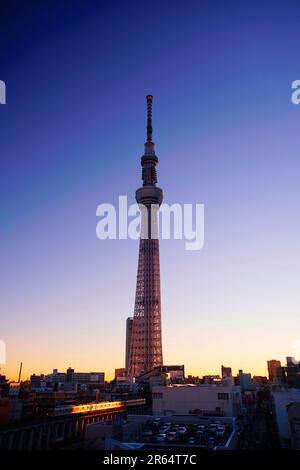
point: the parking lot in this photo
(206, 435)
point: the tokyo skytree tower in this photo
(145, 344)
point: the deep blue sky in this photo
(227, 135)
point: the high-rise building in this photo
(288, 375)
(145, 350)
(273, 365)
(226, 372)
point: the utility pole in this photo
(20, 372)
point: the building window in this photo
(223, 396)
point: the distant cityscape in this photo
(162, 407)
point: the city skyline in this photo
(223, 114)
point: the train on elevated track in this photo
(62, 410)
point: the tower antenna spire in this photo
(149, 117)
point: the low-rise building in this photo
(293, 411)
(14, 389)
(69, 380)
(203, 399)
(245, 381)
(282, 398)
(10, 411)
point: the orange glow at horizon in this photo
(37, 364)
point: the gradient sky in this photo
(72, 133)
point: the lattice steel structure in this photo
(145, 350)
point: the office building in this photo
(273, 365)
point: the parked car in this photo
(181, 430)
(147, 432)
(200, 429)
(213, 428)
(171, 436)
(220, 432)
(163, 429)
(211, 443)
